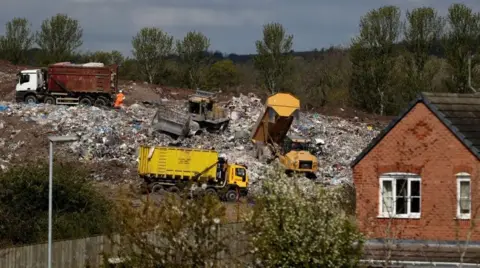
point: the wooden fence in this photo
(86, 252)
(89, 252)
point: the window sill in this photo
(463, 217)
(405, 217)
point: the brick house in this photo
(417, 179)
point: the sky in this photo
(232, 26)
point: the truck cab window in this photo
(194, 107)
(24, 78)
(240, 172)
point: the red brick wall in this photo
(420, 144)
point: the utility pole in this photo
(53, 139)
(470, 56)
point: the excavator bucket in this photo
(173, 122)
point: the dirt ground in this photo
(234, 212)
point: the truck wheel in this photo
(101, 102)
(173, 189)
(211, 192)
(231, 195)
(31, 99)
(156, 188)
(87, 101)
(224, 126)
(49, 100)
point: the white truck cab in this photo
(28, 81)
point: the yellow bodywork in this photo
(177, 162)
(284, 104)
(291, 161)
(272, 127)
(234, 179)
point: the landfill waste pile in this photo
(112, 135)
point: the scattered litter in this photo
(109, 135)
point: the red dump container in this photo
(82, 79)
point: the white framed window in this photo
(464, 195)
(400, 195)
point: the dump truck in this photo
(270, 132)
(66, 83)
(174, 168)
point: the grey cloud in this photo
(232, 26)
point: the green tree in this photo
(59, 37)
(101, 56)
(273, 57)
(117, 57)
(193, 53)
(129, 70)
(323, 79)
(299, 224)
(222, 74)
(24, 204)
(187, 232)
(151, 47)
(373, 56)
(423, 29)
(461, 40)
(107, 58)
(17, 41)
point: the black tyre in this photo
(156, 188)
(101, 102)
(86, 101)
(31, 99)
(173, 189)
(49, 100)
(211, 192)
(224, 126)
(231, 195)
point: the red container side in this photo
(81, 79)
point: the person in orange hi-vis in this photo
(119, 100)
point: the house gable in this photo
(419, 137)
(420, 147)
(461, 116)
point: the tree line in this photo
(392, 58)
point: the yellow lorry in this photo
(270, 131)
(174, 168)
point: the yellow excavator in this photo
(270, 131)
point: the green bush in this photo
(296, 223)
(78, 209)
(176, 232)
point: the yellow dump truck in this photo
(173, 168)
(270, 131)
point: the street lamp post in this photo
(53, 139)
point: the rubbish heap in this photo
(108, 135)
